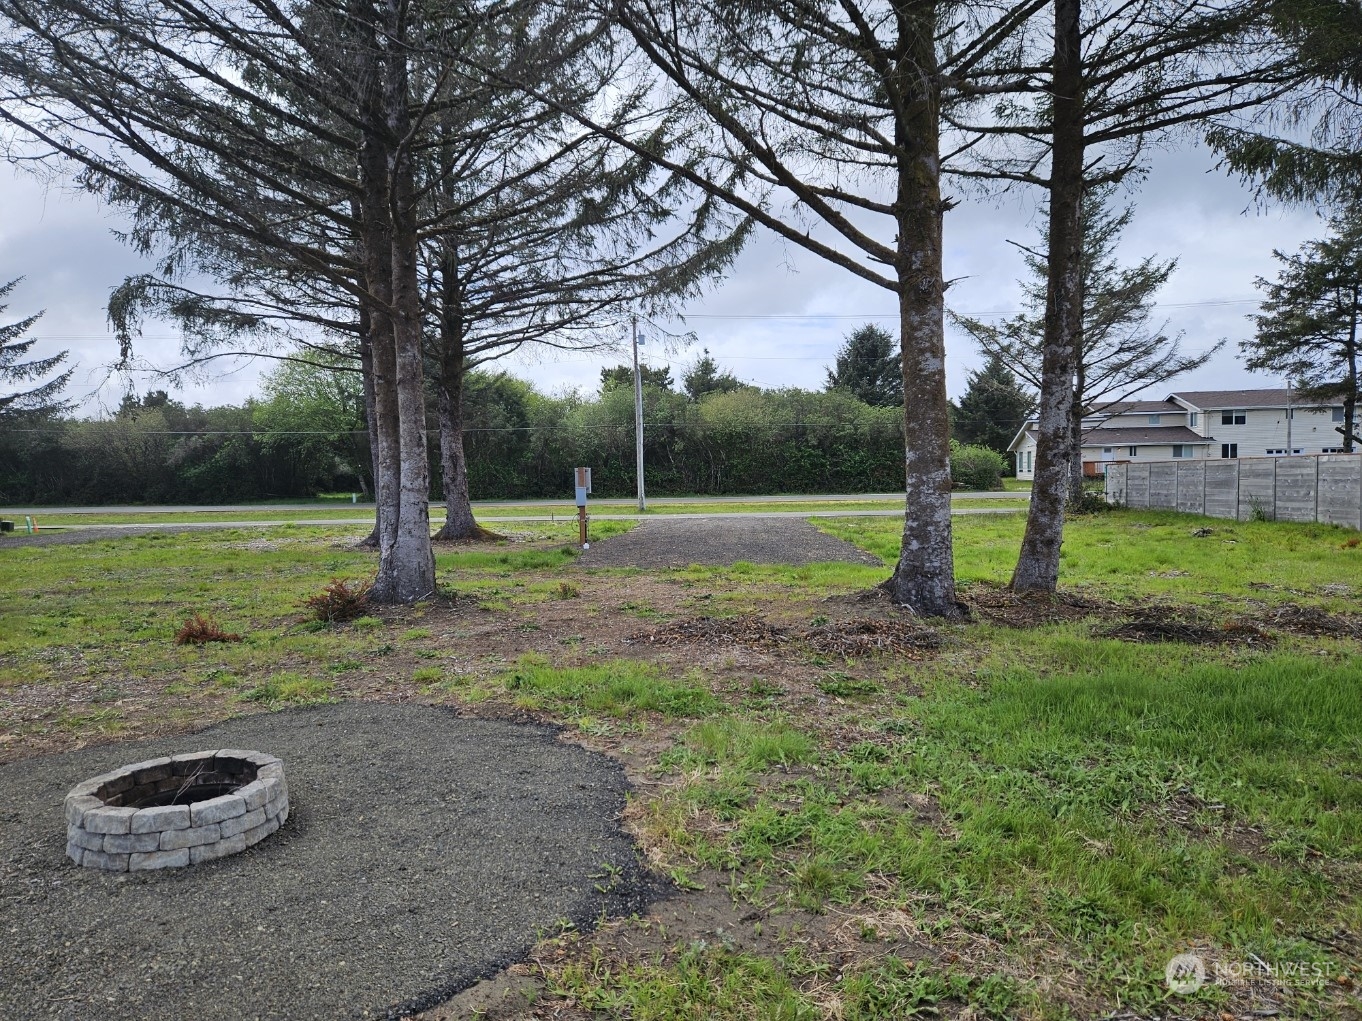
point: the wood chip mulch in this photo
(846, 638)
(997, 605)
(1184, 624)
(1313, 622)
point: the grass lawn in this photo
(1016, 817)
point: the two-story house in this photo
(1198, 423)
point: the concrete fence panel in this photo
(1163, 485)
(1116, 484)
(1296, 485)
(1137, 485)
(1257, 488)
(1222, 488)
(1191, 486)
(1322, 487)
(1340, 489)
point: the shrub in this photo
(977, 467)
(340, 601)
(198, 630)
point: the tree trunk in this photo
(459, 522)
(406, 567)
(1076, 415)
(366, 364)
(1037, 567)
(382, 374)
(924, 578)
(1350, 398)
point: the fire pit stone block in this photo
(175, 810)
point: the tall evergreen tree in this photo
(1307, 147)
(1122, 350)
(868, 367)
(705, 377)
(1308, 328)
(43, 399)
(993, 408)
(623, 376)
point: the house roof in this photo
(1122, 436)
(1215, 400)
(1139, 408)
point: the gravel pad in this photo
(422, 852)
(670, 542)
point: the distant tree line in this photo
(306, 434)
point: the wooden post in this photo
(583, 487)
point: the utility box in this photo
(583, 485)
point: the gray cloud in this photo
(63, 244)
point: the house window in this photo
(1229, 450)
(1233, 417)
(1281, 451)
(1191, 419)
(1338, 414)
(1333, 450)
(1030, 455)
(1153, 419)
(1182, 450)
(1106, 451)
(1133, 451)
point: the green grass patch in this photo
(614, 688)
(289, 689)
(750, 744)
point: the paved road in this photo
(144, 526)
(338, 505)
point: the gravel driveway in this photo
(422, 852)
(669, 542)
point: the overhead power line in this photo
(773, 317)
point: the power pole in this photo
(638, 420)
(1290, 414)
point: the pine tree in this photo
(1122, 350)
(623, 376)
(43, 399)
(868, 367)
(704, 377)
(993, 407)
(1308, 329)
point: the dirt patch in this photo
(678, 542)
(748, 630)
(1152, 624)
(852, 639)
(849, 639)
(1312, 621)
(1204, 819)
(997, 605)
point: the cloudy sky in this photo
(776, 321)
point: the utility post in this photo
(638, 420)
(582, 486)
(1290, 416)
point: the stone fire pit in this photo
(176, 810)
